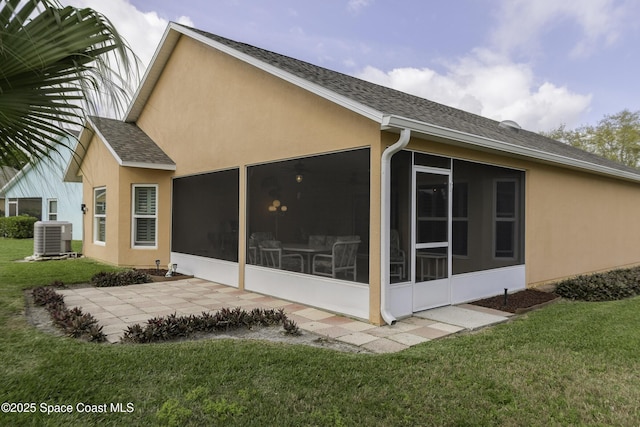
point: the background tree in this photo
(616, 137)
(56, 64)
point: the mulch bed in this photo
(517, 302)
(159, 274)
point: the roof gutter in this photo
(385, 221)
(397, 122)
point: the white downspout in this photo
(385, 222)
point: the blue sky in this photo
(541, 63)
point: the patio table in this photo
(306, 250)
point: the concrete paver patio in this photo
(115, 308)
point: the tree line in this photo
(616, 137)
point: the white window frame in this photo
(513, 219)
(99, 216)
(49, 213)
(135, 216)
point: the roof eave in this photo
(153, 72)
(15, 178)
(144, 165)
(72, 173)
(396, 122)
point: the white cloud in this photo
(521, 23)
(142, 31)
(490, 82)
(490, 85)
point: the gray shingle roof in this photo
(395, 103)
(130, 144)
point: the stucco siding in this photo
(579, 223)
(144, 257)
(99, 169)
(210, 111)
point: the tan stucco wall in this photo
(100, 169)
(579, 223)
(141, 257)
(253, 118)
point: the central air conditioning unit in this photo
(51, 238)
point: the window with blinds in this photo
(100, 215)
(144, 215)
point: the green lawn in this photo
(568, 364)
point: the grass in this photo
(571, 363)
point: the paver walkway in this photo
(115, 308)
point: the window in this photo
(52, 209)
(505, 215)
(99, 215)
(29, 206)
(144, 215)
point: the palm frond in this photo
(56, 65)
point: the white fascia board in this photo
(17, 177)
(84, 139)
(166, 167)
(169, 41)
(396, 122)
(152, 73)
(128, 163)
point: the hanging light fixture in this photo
(300, 169)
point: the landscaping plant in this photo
(608, 286)
(170, 327)
(120, 278)
(73, 321)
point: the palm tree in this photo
(56, 64)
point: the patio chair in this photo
(397, 258)
(271, 256)
(317, 240)
(255, 240)
(341, 260)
